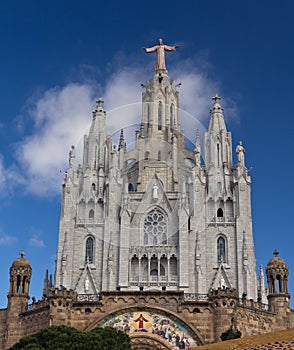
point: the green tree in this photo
(68, 338)
(231, 334)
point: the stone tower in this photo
(18, 297)
(277, 279)
(159, 216)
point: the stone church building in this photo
(156, 240)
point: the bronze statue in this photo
(160, 56)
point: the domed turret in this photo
(277, 275)
(21, 262)
(18, 297)
(20, 275)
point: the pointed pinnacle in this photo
(121, 140)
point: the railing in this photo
(195, 297)
(222, 219)
(137, 279)
(83, 298)
(253, 304)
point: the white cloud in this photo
(6, 240)
(60, 117)
(62, 114)
(35, 241)
(9, 177)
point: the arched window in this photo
(173, 267)
(89, 257)
(219, 187)
(159, 155)
(18, 281)
(279, 288)
(148, 115)
(219, 213)
(91, 215)
(24, 281)
(155, 227)
(131, 188)
(221, 250)
(171, 116)
(164, 238)
(146, 156)
(159, 125)
(93, 187)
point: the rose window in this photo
(155, 226)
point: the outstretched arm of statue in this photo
(170, 48)
(149, 49)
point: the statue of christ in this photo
(160, 56)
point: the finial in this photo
(99, 102)
(142, 128)
(216, 98)
(276, 253)
(121, 140)
(22, 253)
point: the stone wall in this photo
(205, 317)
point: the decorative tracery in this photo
(155, 227)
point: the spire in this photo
(142, 129)
(121, 140)
(217, 123)
(216, 98)
(262, 286)
(197, 254)
(46, 284)
(218, 142)
(197, 149)
(99, 107)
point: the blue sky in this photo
(57, 57)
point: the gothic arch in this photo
(158, 310)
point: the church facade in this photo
(156, 240)
(155, 217)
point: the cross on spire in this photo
(216, 98)
(100, 102)
(276, 253)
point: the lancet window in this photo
(148, 116)
(89, 256)
(221, 250)
(171, 117)
(159, 116)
